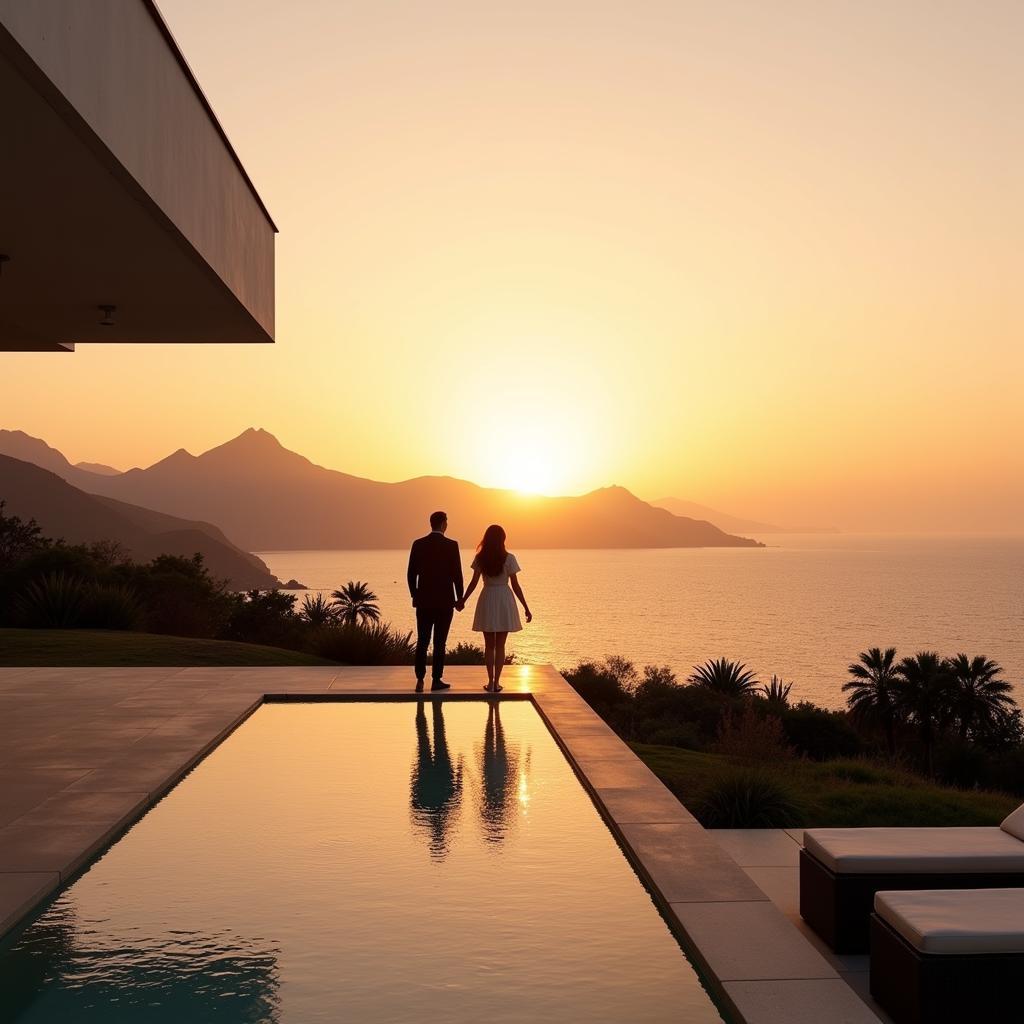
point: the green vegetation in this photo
(48, 585)
(841, 793)
(93, 647)
(925, 741)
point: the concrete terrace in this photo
(85, 751)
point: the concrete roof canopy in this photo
(119, 188)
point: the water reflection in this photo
(435, 783)
(505, 790)
(62, 969)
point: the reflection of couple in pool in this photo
(436, 781)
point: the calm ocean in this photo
(801, 608)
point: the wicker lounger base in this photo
(839, 907)
(947, 988)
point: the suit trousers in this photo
(437, 621)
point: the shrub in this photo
(179, 596)
(353, 643)
(264, 617)
(469, 654)
(53, 601)
(752, 736)
(683, 734)
(111, 606)
(606, 686)
(748, 799)
(820, 734)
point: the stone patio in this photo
(84, 752)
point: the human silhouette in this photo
(435, 785)
(496, 612)
(499, 777)
(435, 584)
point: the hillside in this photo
(64, 511)
(269, 498)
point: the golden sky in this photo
(764, 256)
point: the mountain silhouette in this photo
(269, 498)
(97, 467)
(64, 511)
(733, 524)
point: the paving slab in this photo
(816, 1001)
(20, 891)
(685, 865)
(748, 941)
(758, 847)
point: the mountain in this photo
(680, 507)
(97, 467)
(64, 511)
(269, 498)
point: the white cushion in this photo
(1014, 823)
(956, 920)
(869, 851)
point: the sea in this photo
(800, 608)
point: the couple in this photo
(435, 583)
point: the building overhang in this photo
(119, 188)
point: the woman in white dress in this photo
(496, 613)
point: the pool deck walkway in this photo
(85, 751)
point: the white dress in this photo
(496, 609)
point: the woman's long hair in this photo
(490, 552)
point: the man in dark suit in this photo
(435, 583)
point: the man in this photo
(435, 583)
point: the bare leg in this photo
(499, 655)
(489, 657)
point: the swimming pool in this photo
(420, 861)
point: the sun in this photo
(530, 472)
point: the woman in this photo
(496, 612)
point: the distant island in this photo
(267, 498)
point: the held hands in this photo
(460, 606)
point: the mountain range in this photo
(68, 513)
(268, 498)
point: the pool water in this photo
(429, 861)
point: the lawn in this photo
(96, 647)
(847, 793)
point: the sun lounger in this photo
(841, 869)
(947, 956)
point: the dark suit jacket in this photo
(435, 572)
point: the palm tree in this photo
(923, 694)
(356, 602)
(317, 611)
(977, 696)
(777, 692)
(873, 699)
(731, 678)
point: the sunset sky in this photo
(764, 256)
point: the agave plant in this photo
(731, 678)
(317, 611)
(874, 692)
(356, 602)
(54, 601)
(351, 643)
(777, 692)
